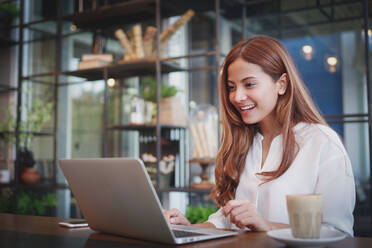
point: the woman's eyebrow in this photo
(248, 78)
(243, 80)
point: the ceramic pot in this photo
(30, 176)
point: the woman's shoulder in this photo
(317, 134)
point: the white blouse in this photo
(322, 166)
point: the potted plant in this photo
(36, 117)
(171, 110)
(149, 90)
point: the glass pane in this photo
(39, 57)
(38, 107)
(40, 31)
(196, 34)
(43, 150)
(357, 144)
(73, 47)
(83, 110)
(203, 87)
(7, 124)
(69, 6)
(36, 10)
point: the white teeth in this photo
(248, 107)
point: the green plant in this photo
(10, 8)
(199, 214)
(28, 203)
(36, 117)
(149, 89)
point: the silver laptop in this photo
(116, 196)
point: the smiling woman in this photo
(274, 143)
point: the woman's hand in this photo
(244, 214)
(175, 217)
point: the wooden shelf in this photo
(38, 186)
(112, 15)
(141, 127)
(44, 186)
(139, 67)
(6, 185)
(203, 161)
(133, 11)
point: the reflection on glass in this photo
(86, 119)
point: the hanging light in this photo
(73, 27)
(332, 62)
(307, 51)
(111, 82)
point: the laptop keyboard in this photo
(183, 234)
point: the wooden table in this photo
(32, 231)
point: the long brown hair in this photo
(293, 107)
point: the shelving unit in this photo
(113, 16)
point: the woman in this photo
(274, 143)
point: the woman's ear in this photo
(282, 83)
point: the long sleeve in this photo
(218, 220)
(336, 184)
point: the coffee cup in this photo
(305, 215)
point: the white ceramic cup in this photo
(305, 215)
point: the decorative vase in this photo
(30, 176)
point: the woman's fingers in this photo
(179, 220)
(170, 213)
(243, 220)
(230, 205)
(174, 216)
(244, 214)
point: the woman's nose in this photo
(240, 95)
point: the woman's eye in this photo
(249, 84)
(230, 87)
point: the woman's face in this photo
(252, 92)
